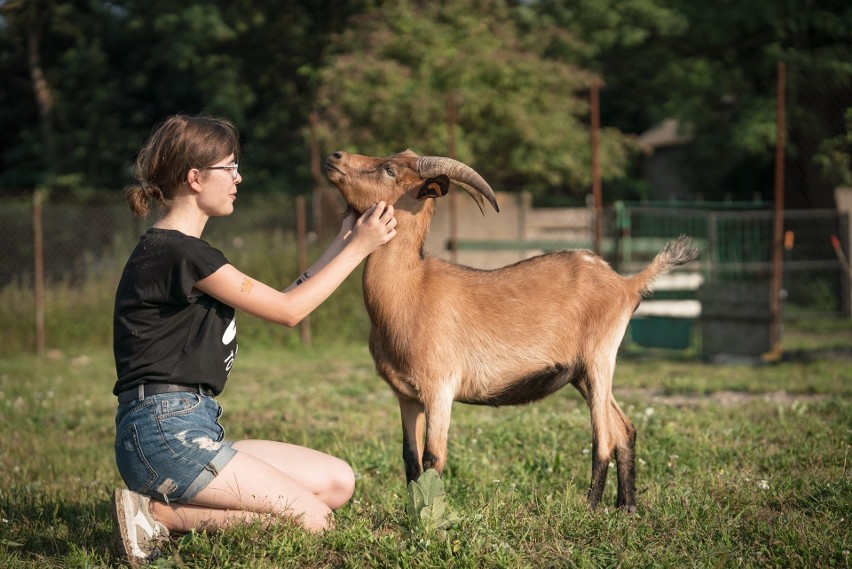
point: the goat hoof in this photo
(628, 509)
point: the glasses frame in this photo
(233, 169)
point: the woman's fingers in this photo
(377, 225)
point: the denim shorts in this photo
(170, 446)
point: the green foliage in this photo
(427, 506)
(383, 72)
(392, 75)
(713, 68)
(835, 155)
(113, 70)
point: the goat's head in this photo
(403, 180)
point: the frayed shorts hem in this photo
(206, 476)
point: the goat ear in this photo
(436, 187)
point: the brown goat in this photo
(442, 332)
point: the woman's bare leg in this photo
(329, 478)
(289, 480)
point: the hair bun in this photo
(151, 191)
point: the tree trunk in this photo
(43, 93)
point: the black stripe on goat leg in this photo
(624, 457)
(625, 453)
(411, 459)
(600, 466)
(430, 461)
(412, 414)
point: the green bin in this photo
(662, 332)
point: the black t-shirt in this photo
(164, 329)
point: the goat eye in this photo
(390, 171)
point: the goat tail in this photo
(675, 253)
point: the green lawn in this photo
(737, 465)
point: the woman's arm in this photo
(332, 251)
(229, 285)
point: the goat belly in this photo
(529, 388)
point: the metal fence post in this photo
(778, 233)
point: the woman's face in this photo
(219, 187)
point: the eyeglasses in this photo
(233, 169)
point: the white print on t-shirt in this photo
(229, 361)
(230, 333)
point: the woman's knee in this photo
(340, 485)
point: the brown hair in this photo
(177, 145)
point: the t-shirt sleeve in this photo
(197, 261)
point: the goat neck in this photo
(399, 265)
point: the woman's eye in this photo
(389, 170)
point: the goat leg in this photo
(626, 477)
(437, 429)
(600, 466)
(603, 439)
(625, 452)
(412, 414)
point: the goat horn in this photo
(460, 174)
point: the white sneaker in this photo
(135, 531)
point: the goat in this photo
(442, 332)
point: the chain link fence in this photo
(81, 241)
(84, 241)
(86, 245)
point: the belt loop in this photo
(140, 391)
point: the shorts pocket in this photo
(134, 468)
(221, 431)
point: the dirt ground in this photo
(724, 398)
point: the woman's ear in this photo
(193, 179)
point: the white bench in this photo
(674, 308)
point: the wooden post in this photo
(302, 246)
(451, 153)
(596, 164)
(778, 230)
(38, 271)
(317, 176)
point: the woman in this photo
(175, 344)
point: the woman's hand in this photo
(373, 229)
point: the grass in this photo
(738, 466)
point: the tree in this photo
(521, 116)
(105, 73)
(280, 46)
(713, 67)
